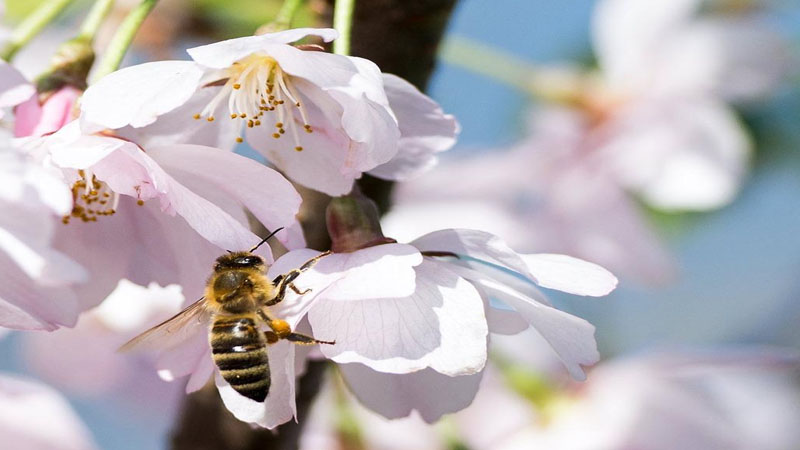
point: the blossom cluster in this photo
(134, 180)
(120, 195)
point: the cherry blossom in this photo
(161, 213)
(34, 272)
(411, 330)
(307, 111)
(34, 416)
(411, 335)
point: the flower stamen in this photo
(255, 86)
(91, 198)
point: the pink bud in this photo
(37, 119)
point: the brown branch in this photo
(402, 37)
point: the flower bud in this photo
(69, 67)
(353, 223)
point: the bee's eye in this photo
(246, 261)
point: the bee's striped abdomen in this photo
(240, 352)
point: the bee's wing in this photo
(173, 330)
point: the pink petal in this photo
(71, 149)
(133, 172)
(33, 119)
(427, 392)
(263, 191)
(26, 304)
(137, 95)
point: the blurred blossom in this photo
(547, 194)
(35, 417)
(674, 400)
(84, 360)
(321, 111)
(720, 48)
(32, 271)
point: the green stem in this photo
(122, 39)
(343, 22)
(94, 19)
(31, 26)
(540, 82)
(287, 12)
(488, 61)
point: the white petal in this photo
(137, 95)
(569, 274)
(201, 374)
(26, 304)
(441, 325)
(428, 392)
(382, 271)
(373, 128)
(474, 244)
(504, 320)
(571, 337)
(320, 166)
(71, 149)
(34, 416)
(14, 88)
(424, 130)
(184, 352)
(220, 55)
(279, 407)
(133, 172)
(180, 127)
(263, 191)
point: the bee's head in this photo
(239, 260)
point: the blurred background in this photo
(730, 272)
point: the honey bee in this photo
(236, 304)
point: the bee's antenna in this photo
(265, 239)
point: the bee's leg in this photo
(271, 337)
(303, 339)
(283, 281)
(282, 330)
(298, 291)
